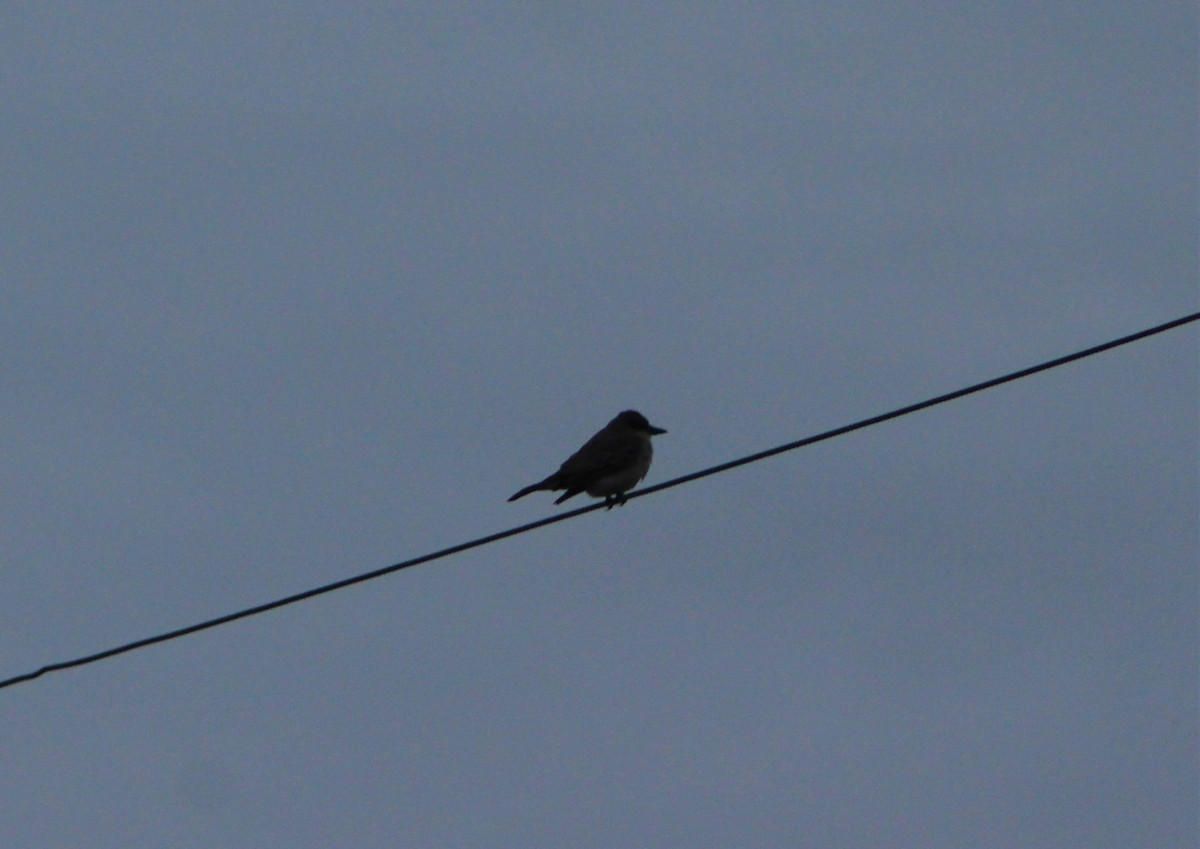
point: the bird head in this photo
(634, 420)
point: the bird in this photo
(607, 466)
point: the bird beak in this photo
(656, 430)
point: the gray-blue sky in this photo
(294, 291)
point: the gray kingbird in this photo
(608, 465)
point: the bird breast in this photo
(625, 479)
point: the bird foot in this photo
(611, 501)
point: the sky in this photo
(295, 291)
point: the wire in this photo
(561, 517)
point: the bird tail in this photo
(533, 487)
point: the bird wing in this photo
(604, 454)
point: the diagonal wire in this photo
(920, 405)
(570, 514)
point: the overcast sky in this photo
(293, 291)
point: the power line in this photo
(560, 517)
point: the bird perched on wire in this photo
(608, 465)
